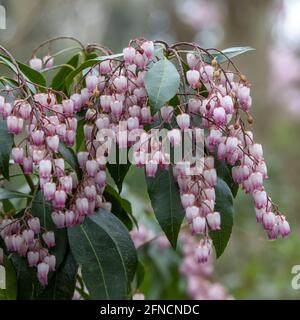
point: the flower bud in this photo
(28, 236)
(49, 238)
(17, 155)
(33, 258)
(36, 64)
(92, 168)
(66, 183)
(58, 219)
(34, 225)
(269, 220)
(68, 107)
(198, 225)
(43, 270)
(214, 220)
(53, 142)
(91, 82)
(48, 61)
(70, 218)
(193, 77)
(82, 205)
(14, 124)
(60, 198)
(183, 121)
(51, 261)
(45, 168)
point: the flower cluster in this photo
(115, 104)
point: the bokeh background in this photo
(251, 267)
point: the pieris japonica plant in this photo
(179, 112)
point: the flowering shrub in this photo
(178, 111)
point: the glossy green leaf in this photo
(165, 200)
(6, 142)
(224, 205)
(103, 248)
(121, 207)
(9, 194)
(118, 173)
(59, 79)
(69, 155)
(43, 210)
(226, 54)
(29, 74)
(8, 275)
(161, 82)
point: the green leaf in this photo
(69, 155)
(62, 284)
(6, 142)
(165, 200)
(118, 173)
(121, 208)
(59, 79)
(226, 54)
(28, 73)
(87, 64)
(224, 205)
(108, 259)
(7, 272)
(140, 274)
(8, 194)
(224, 172)
(43, 210)
(161, 82)
(79, 135)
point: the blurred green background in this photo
(251, 267)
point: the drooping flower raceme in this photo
(115, 108)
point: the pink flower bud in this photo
(49, 189)
(214, 220)
(198, 225)
(60, 198)
(210, 194)
(92, 167)
(28, 236)
(102, 123)
(146, 115)
(70, 137)
(209, 162)
(259, 214)
(256, 151)
(45, 168)
(203, 251)
(68, 107)
(210, 177)
(174, 137)
(260, 199)
(100, 178)
(37, 137)
(82, 157)
(269, 220)
(77, 100)
(187, 200)
(256, 181)
(91, 82)
(227, 103)
(17, 155)
(66, 183)
(49, 238)
(129, 54)
(33, 258)
(90, 192)
(51, 261)
(193, 77)
(194, 105)
(148, 47)
(105, 67)
(25, 110)
(14, 124)
(213, 139)
(167, 113)
(36, 64)
(183, 121)
(192, 60)
(151, 168)
(82, 205)
(53, 142)
(105, 102)
(284, 227)
(59, 167)
(70, 218)
(121, 84)
(48, 61)
(219, 116)
(133, 123)
(58, 219)
(207, 73)
(116, 108)
(191, 213)
(43, 270)
(7, 109)
(34, 225)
